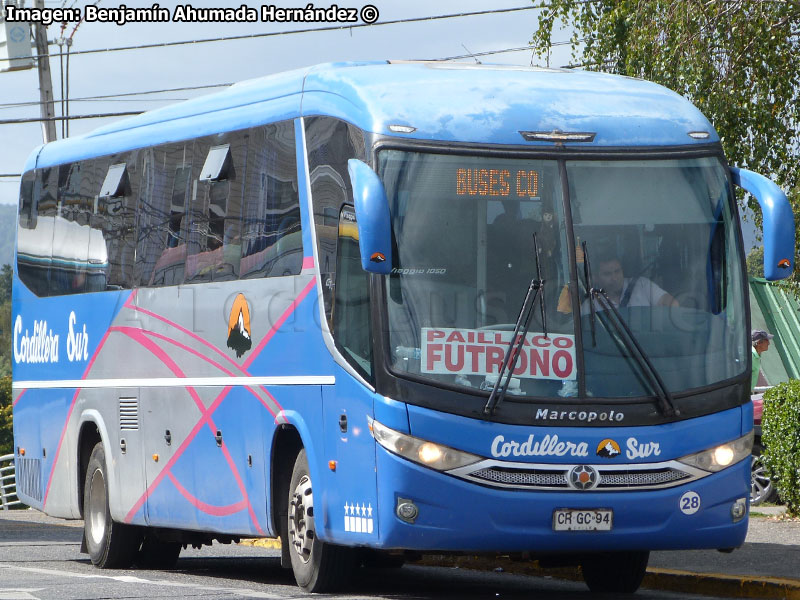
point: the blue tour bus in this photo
(392, 308)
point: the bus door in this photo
(348, 406)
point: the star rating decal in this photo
(358, 518)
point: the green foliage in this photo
(738, 62)
(6, 432)
(755, 262)
(5, 338)
(8, 226)
(780, 434)
(5, 283)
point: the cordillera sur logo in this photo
(549, 445)
(41, 345)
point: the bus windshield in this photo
(661, 243)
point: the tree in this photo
(6, 431)
(738, 61)
(5, 321)
(5, 338)
(5, 283)
(755, 262)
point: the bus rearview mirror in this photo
(778, 222)
(373, 218)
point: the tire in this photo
(761, 487)
(318, 566)
(615, 572)
(157, 554)
(110, 545)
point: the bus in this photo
(384, 309)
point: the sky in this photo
(124, 72)
(112, 73)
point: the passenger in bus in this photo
(623, 291)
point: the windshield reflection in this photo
(663, 246)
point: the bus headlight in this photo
(423, 452)
(725, 455)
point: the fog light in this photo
(407, 510)
(739, 509)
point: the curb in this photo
(672, 580)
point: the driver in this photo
(623, 291)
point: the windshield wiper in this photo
(535, 289)
(628, 339)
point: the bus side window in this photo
(33, 244)
(163, 197)
(331, 143)
(214, 248)
(351, 324)
(116, 216)
(272, 244)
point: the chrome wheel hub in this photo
(760, 483)
(301, 519)
(96, 511)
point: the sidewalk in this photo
(766, 566)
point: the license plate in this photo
(599, 519)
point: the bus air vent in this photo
(29, 477)
(129, 414)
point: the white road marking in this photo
(132, 579)
(18, 593)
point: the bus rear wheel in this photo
(615, 572)
(111, 545)
(318, 566)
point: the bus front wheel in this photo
(615, 572)
(318, 566)
(111, 545)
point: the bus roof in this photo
(450, 102)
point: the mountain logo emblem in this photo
(608, 448)
(239, 336)
(378, 257)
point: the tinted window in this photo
(331, 143)
(166, 180)
(166, 215)
(116, 219)
(351, 327)
(272, 243)
(214, 249)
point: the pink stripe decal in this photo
(139, 336)
(308, 262)
(194, 336)
(178, 453)
(217, 511)
(280, 321)
(22, 393)
(218, 366)
(72, 404)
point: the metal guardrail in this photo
(8, 483)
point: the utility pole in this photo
(45, 80)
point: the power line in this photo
(503, 51)
(304, 30)
(36, 103)
(70, 118)
(10, 174)
(126, 94)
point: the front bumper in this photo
(459, 515)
